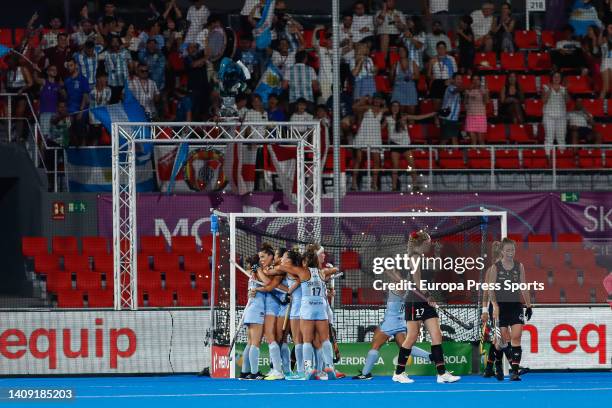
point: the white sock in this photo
(371, 359)
(299, 357)
(286, 357)
(246, 365)
(328, 353)
(319, 358)
(308, 352)
(254, 359)
(275, 356)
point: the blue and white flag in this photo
(262, 31)
(270, 83)
(90, 170)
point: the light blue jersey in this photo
(394, 321)
(314, 303)
(282, 309)
(255, 311)
(296, 299)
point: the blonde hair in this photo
(496, 248)
(311, 256)
(417, 239)
(508, 241)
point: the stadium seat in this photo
(479, 158)
(426, 106)
(149, 281)
(526, 39)
(521, 134)
(507, 159)
(165, 262)
(451, 159)
(177, 279)
(203, 282)
(197, 263)
(485, 61)
(535, 159)
(590, 158)
(46, 263)
(152, 245)
(86, 280)
(378, 57)
(70, 299)
(433, 133)
(103, 263)
(422, 86)
(393, 57)
(370, 296)
(187, 297)
(349, 260)
(496, 134)
(548, 39)
(495, 83)
(183, 245)
(577, 294)
(73, 263)
(550, 294)
(578, 84)
(534, 108)
(346, 296)
(539, 238)
(207, 241)
(58, 281)
(99, 298)
(160, 298)
(595, 107)
(518, 238)
(565, 158)
(539, 61)
(94, 245)
(33, 246)
(569, 237)
(65, 245)
(527, 83)
(605, 130)
(383, 84)
(421, 159)
(512, 61)
(417, 134)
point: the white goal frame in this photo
(503, 215)
(126, 136)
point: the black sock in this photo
(507, 349)
(438, 358)
(402, 359)
(499, 356)
(491, 356)
(517, 353)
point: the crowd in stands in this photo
(459, 75)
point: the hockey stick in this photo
(230, 355)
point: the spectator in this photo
(583, 15)
(61, 125)
(85, 33)
(172, 35)
(153, 58)
(476, 99)
(59, 54)
(466, 44)
(145, 91)
(77, 90)
(434, 37)
(389, 22)
(100, 95)
(130, 41)
(554, 99)
(116, 61)
(606, 60)
(197, 17)
(568, 52)
(363, 71)
(414, 38)
(487, 44)
(153, 31)
(275, 113)
(504, 29)
(256, 114)
(50, 90)
(302, 80)
(397, 128)
(346, 30)
(591, 49)
(283, 59)
(109, 11)
(450, 128)
(511, 99)
(184, 106)
(370, 111)
(18, 77)
(197, 81)
(581, 125)
(483, 21)
(49, 39)
(285, 26)
(441, 69)
(245, 12)
(438, 11)
(241, 101)
(246, 54)
(362, 27)
(404, 75)
(326, 69)
(172, 12)
(301, 115)
(87, 60)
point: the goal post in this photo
(362, 238)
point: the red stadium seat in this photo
(86, 280)
(485, 61)
(6, 37)
(59, 281)
(103, 263)
(422, 86)
(527, 83)
(433, 133)
(526, 39)
(417, 134)
(207, 241)
(577, 294)
(590, 158)
(534, 108)
(187, 297)
(507, 159)
(177, 279)
(383, 84)
(539, 61)
(535, 159)
(379, 60)
(152, 245)
(495, 83)
(605, 130)
(160, 298)
(548, 39)
(65, 245)
(550, 294)
(184, 245)
(46, 263)
(512, 61)
(479, 158)
(94, 245)
(70, 299)
(426, 106)
(521, 134)
(370, 296)
(516, 237)
(608, 159)
(496, 134)
(73, 263)
(149, 281)
(197, 263)
(349, 260)
(165, 262)
(203, 282)
(566, 158)
(32, 246)
(569, 237)
(595, 107)
(451, 159)
(100, 298)
(421, 159)
(393, 57)
(578, 84)
(346, 296)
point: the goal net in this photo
(356, 243)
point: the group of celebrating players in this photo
(289, 294)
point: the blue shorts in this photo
(255, 312)
(296, 304)
(393, 326)
(272, 305)
(313, 308)
(282, 309)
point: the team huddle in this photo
(290, 292)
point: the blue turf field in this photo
(576, 390)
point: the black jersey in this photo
(504, 275)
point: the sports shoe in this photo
(402, 378)
(488, 371)
(243, 376)
(296, 377)
(258, 376)
(499, 372)
(515, 377)
(311, 374)
(274, 375)
(330, 372)
(447, 377)
(362, 376)
(340, 375)
(322, 376)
